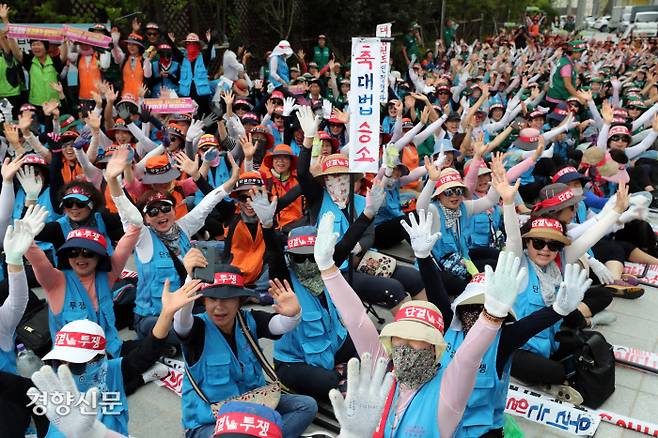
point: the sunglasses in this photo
(539, 244)
(80, 252)
(300, 258)
(154, 211)
(618, 138)
(71, 202)
(445, 93)
(78, 369)
(152, 33)
(458, 191)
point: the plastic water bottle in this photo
(27, 363)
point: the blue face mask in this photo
(95, 375)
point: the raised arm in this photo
(512, 229)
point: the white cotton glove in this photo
(572, 289)
(374, 200)
(325, 242)
(359, 412)
(420, 234)
(30, 182)
(633, 213)
(264, 208)
(548, 153)
(440, 159)
(288, 106)
(503, 285)
(17, 241)
(327, 107)
(308, 121)
(71, 416)
(194, 131)
(34, 219)
(601, 271)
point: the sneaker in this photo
(623, 289)
(156, 372)
(565, 393)
(603, 318)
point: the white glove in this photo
(633, 213)
(374, 200)
(548, 153)
(325, 242)
(602, 272)
(288, 106)
(440, 159)
(72, 418)
(359, 412)
(30, 182)
(128, 211)
(194, 131)
(17, 241)
(572, 289)
(35, 219)
(308, 121)
(420, 234)
(264, 208)
(503, 284)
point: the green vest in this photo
(321, 56)
(40, 78)
(6, 89)
(558, 90)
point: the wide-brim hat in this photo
(134, 38)
(192, 38)
(483, 169)
(281, 150)
(35, 160)
(527, 139)
(448, 179)
(229, 283)
(336, 164)
(608, 168)
(260, 129)
(247, 181)
(89, 239)
(105, 155)
(555, 197)
(159, 170)
(119, 125)
(301, 240)
(568, 174)
(174, 129)
(559, 112)
(474, 293)
(416, 321)
(447, 147)
(547, 228)
(78, 341)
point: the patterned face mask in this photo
(338, 187)
(414, 367)
(468, 315)
(309, 276)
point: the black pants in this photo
(14, 413)
(311, 380)
(483, 256)
(644, 173)
(597, 298)
(606, 250)
(387, 292)
(390, 233)
(640, 234)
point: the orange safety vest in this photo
(109, 202)
(132, 78)
(277, 188)
(89, 75)
(248, 253)
(72, 174)
(181, 207)
(411, 160)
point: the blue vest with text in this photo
(391, 209)
(200, 77)
(451, 241)
(216, 177)
(341, 224)
(482, 226)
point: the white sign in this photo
(384, 31)
(364, 105)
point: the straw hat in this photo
(416, 321)
(547, 228)
(449, 178)
(608, 168)
(336, 164)
(482, 170)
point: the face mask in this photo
(308, 274)
(468, 316)
(414, 367)
(338, 187)
(578, 191)
(193, 51)
(95, 375)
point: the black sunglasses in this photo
(80, 252)
(72, 202)
(300, 258)
(458, 191)
(443, 92)
(618, 138)
(78, 369)
(152, 33)
(554, 246)
(154, 211)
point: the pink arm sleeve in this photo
(135, 188)
(189, 186)
(52, 280)
(471, 178)
(459, 378)
(516, 171)
(565, 71)
(123, 250)
(362, 330)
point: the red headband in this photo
(335, 162)
(423, 315)
(525, 139)
(563, 172)
(554, 201)
(237, 423)
(450, 177)
(544, 222)
(225, 279)
(87, 234)
(299, 241)
(80, 340)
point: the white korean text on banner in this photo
(384, 31)
(364, 105)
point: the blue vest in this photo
(114, 415)
(341, 224)
(391, 208)
(200, 77)
(281, 70)
(449, 241)
(481, 227)
(65, 224)
(216, 177)
(220, 374)
(581, 212)
(296, 150)
(419, 418)
(152, 275)
(529, 301)
(44, 201)
(527, 177)
(8, 360)
(486, 406)
(78, 305)
(166, 82)
(318, 337)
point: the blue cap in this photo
(78, 196)
(301, 240)
(447, 147)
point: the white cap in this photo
(78, 342)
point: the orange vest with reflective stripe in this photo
(132, 78)
(89, 75)
(411, 160)
(248, 253)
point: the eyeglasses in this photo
(458, 191)
(554, 246)
(154, 211)
(80, 252)
(618, 138)
(300, 258)
(72, 202)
